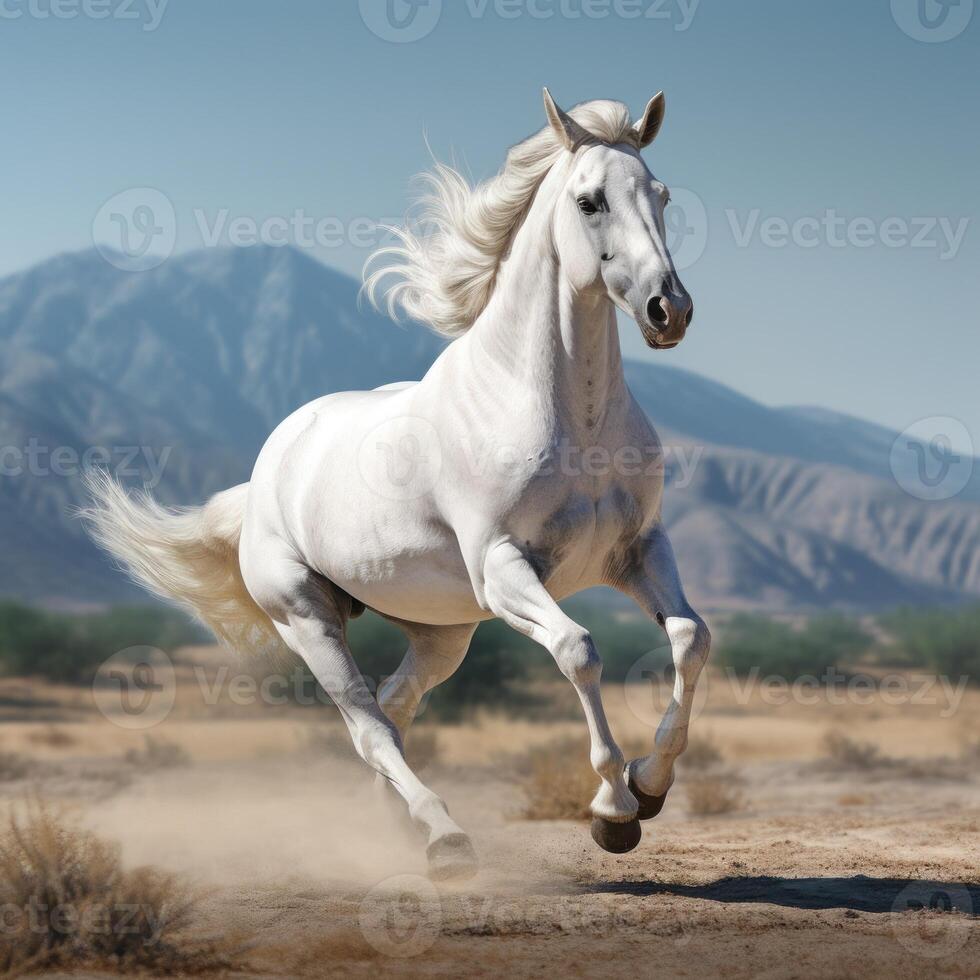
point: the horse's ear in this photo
(571, 134)
(653, 116)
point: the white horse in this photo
(515, 473)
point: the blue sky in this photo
(834, 149)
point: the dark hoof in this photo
(650, 806)
(452, 858)
(617, 838)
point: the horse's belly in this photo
(411, 589)
(409, 569)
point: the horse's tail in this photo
(188, 555)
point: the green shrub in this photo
(944, 640)
(69, 647)
(497, 664)
(750, 642)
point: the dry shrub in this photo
(850, 754)
(422, 747)
(853, 799)
(559, 782)
(941, 767)
(320, 956)
(14, 766)
(69, 903)
(52, 737)
(329, 739)
(714, 795)
(701, 753)
(158, 753)
(558, 779)
(846, 753)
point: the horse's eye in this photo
(586, 206)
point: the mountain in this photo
(187, 367)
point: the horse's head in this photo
(609, 226)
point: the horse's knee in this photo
(691, 643)
(375, 739)
(577, 657)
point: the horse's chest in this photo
(578, 535)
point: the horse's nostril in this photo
(690, 316)
(657, 310)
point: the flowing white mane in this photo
(446, 268)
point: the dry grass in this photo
(15, 766)
(844, 753)
(52, 737)
(422, 748)
(326, 955)
(69, 903)
(701, 753)
(558, 779)
(853, 799)
(158, 753)
(559, 782)
(850, 754)
(711, 796)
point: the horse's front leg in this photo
(652, 580)
(514, 592)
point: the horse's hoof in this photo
(452, 858)
(650, 806)
(617, 838)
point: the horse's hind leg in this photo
(434, 653)
(311, 615)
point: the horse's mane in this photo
(446, 264)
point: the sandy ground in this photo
(822, 870)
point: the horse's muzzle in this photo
(668, 317)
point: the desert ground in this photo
(832, 838)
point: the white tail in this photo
(188, 555)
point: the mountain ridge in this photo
(787, 508)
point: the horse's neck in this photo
(542, 333)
